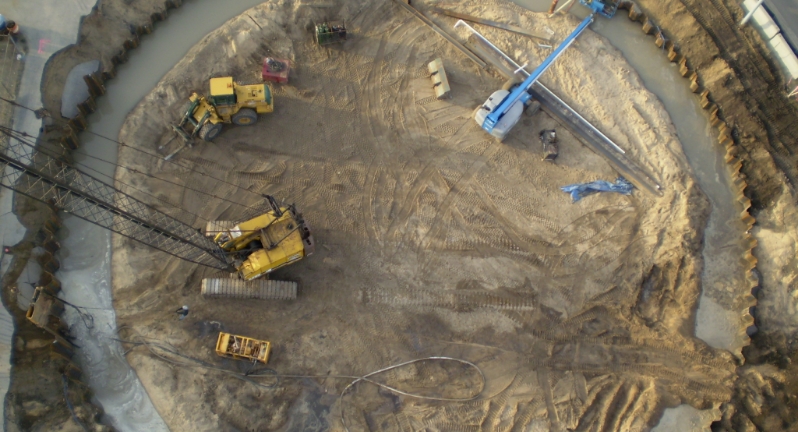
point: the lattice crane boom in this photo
(44, 178)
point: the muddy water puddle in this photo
(86, 252)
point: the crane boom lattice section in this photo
(55, 182)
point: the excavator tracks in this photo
(261, 289)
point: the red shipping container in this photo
(276, 70)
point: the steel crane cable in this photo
(86, 167)
(10, 133)
(153, 344)
(155, 156)
(78, 164)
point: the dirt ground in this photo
(434, 239)
(732, 63)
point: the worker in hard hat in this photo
(8, 27)
(11, 28)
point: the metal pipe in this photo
(440, 31)
(499, 25)
(750, 13)
(553, 5)
(537, 83)
(493, 118)
(483, 39)
(569, 4)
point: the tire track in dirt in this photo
(408, 204)
(523, 417)
(655, 372)
(498, 404)
(458, 300)
(368, 198)
(371, 101)
(535, 245)
(662, 345)
(406, 58)
(465, 182)
(545, 384)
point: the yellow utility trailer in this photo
(241, 347)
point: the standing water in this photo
(86, 250)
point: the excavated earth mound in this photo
(433, 238)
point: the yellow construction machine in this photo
(257, 247)
(228, 103)
(242, 347)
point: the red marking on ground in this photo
(42, 44)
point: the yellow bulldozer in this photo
(257, 247)
(228, 103)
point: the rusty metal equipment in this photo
(330, 32)
(276, 70)
(548, 137)
(242, 347)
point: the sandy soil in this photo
(749, 88)
(433, 238)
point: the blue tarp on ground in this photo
(581, 190)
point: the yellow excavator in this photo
(257, 247)
(228, 103)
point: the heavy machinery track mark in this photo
(456, 300)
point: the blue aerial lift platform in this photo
(503, 109)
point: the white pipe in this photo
(567, 4)
(522, 71)
(750, 13)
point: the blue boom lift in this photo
(503, 108)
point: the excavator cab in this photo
(267, 242)
(257, 247)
